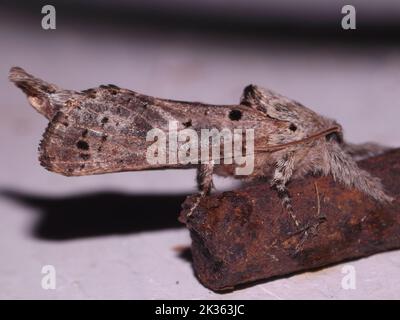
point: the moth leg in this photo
(282, 174)
(205, 183)
(313, 227)
(345, 170)
(205, 177)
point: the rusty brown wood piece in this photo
(244, 235)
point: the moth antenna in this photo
(312, 137)
(43, 96)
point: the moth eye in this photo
(235, 115)
(334, 136)
(292, 127)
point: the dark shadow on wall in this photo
(99, 214)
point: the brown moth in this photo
(103, 130)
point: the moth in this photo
(103, 130)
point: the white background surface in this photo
(357, 86)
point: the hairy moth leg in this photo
(345, 170)
(282, 174)
(204, 182)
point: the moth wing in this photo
(85, 138)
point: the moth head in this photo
(336, 136)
